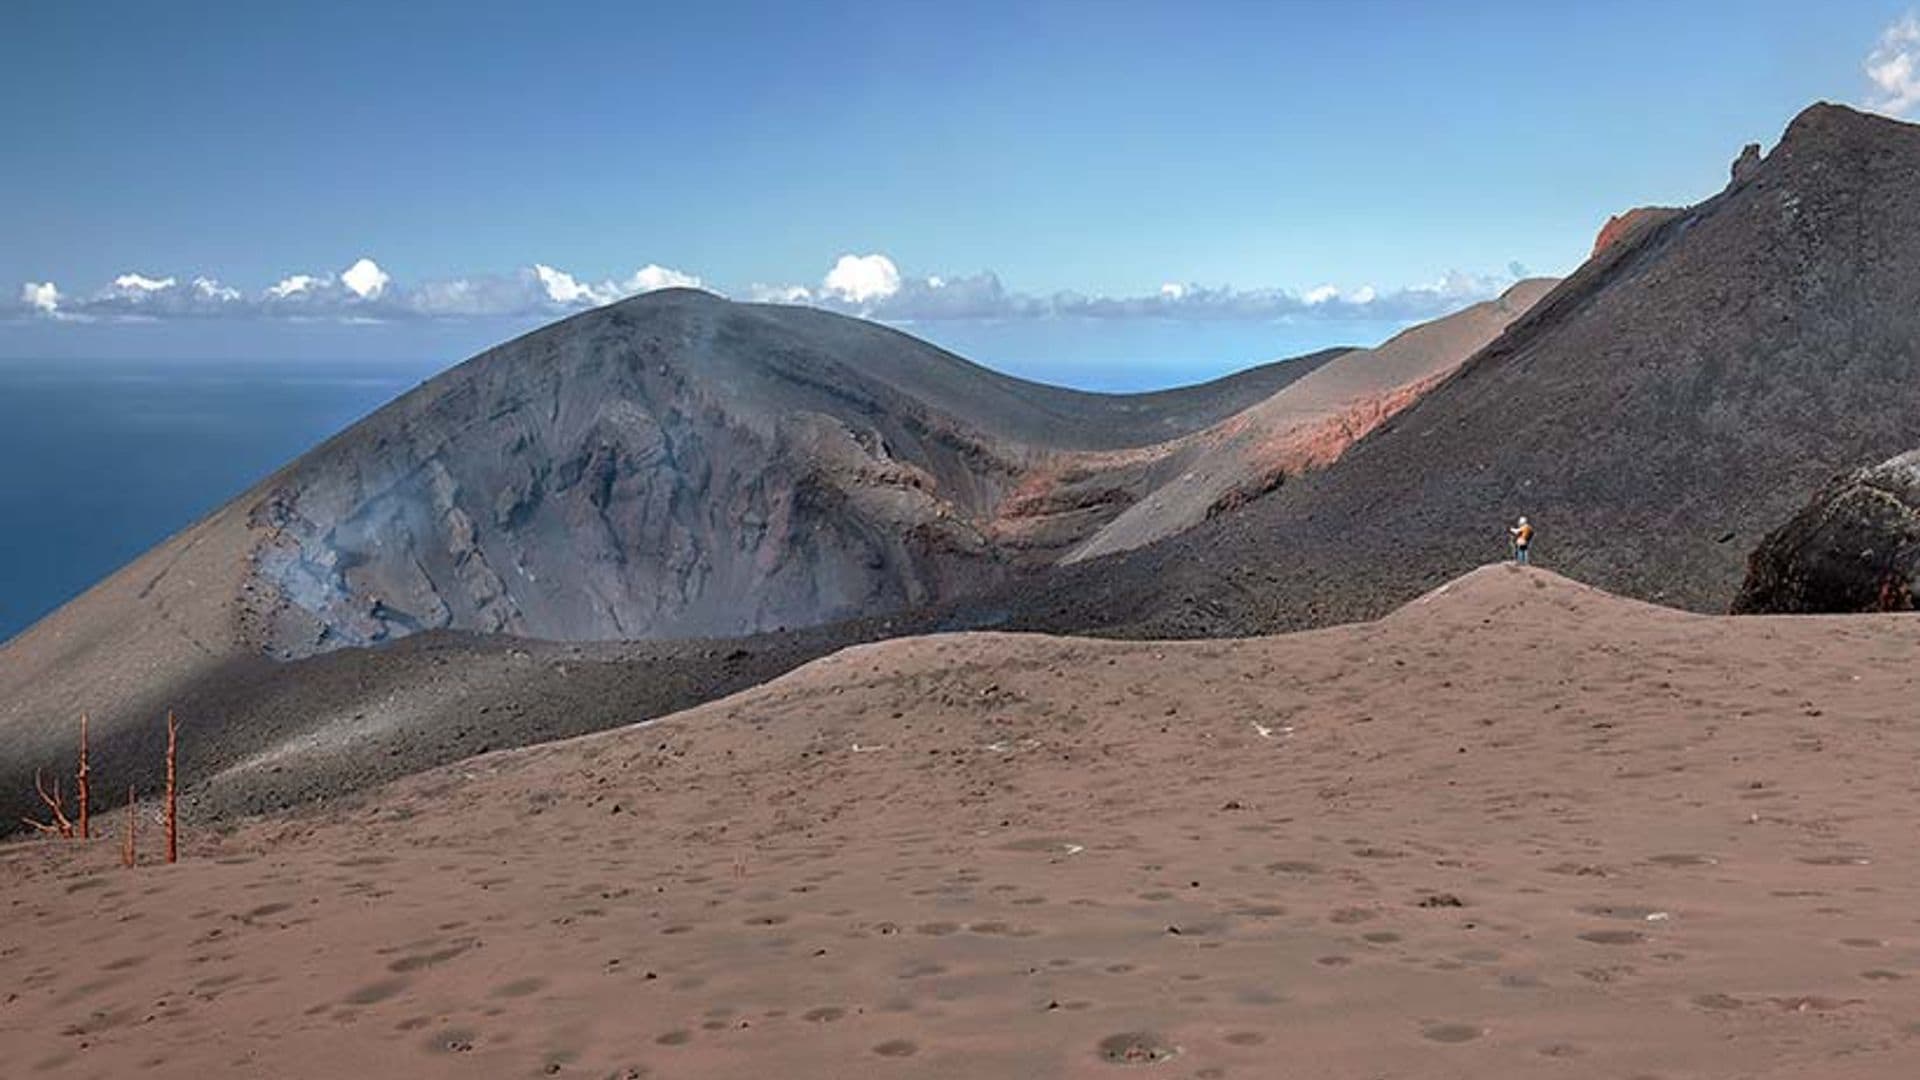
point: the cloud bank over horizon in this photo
(867, 285)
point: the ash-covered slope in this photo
(674, 465)
(1307, 425)
(1655, 415)
(534, 456)
(670, 466)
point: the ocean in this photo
(101, 460)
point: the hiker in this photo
(1522, 539)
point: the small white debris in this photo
(1004, 747)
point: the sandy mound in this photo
(1519, 828)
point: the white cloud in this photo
(563, 289)
(1460, 283)
(868, 285)
(653, 276)
(1327, 294)
(456, 297)
(294, 285)
(366, 279)
(872, 286)
(210, 289)
(566, 290)
(779, 294)
(522, 293)
(1894, 67)
(862, 279)
(136, 284)
(41, 296)
(363, 292)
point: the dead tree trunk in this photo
(61, 825)
(80, 781)
(173, 794)
(128, 856)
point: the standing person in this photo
(1522, 534)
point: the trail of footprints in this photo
(898, 941)
(1278, 895)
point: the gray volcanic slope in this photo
(1655, 415)
(676, 465)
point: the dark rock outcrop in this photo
(1855, 548)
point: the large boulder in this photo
(1856, 547)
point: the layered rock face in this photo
(597, 485)
(676, 466)
(1855, 548)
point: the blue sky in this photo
(1106, 193)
